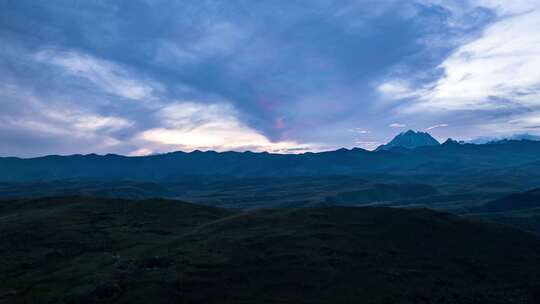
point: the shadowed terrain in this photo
(449, 160)
(244, 152)
(82, 250)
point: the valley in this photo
(449, 223)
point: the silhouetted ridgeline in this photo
(448, 158)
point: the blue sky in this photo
(138, 77)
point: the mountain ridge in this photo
(409, 140)
(451, 158)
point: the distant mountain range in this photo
(423, 155)
(484, 140)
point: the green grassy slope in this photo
(77, 250)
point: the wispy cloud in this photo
(499, 68)
(397, 89)
(108, 76)
(32, 125)
(359, 131)
(397, 125)
(436, 126)
(211, 40)
(527, 121)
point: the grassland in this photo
(83, 250)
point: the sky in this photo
(138, 77)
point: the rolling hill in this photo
(516, 201)
(83, 250)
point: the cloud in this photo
(212, 40)
(508, 8)
(108, 76)
(96, 122)
(395, 90)
(527, 121)
(182, 125)
(167, 125)
(190, 126)
(285, 76)
(32, 125)
(359, 131)
(499, 69)
(436, 126)
(489, 82)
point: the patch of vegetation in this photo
(83, 250)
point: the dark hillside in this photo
(516, 201)
(77, 250)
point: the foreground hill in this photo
(79, 250)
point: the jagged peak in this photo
(410, 139)
(451, 141)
